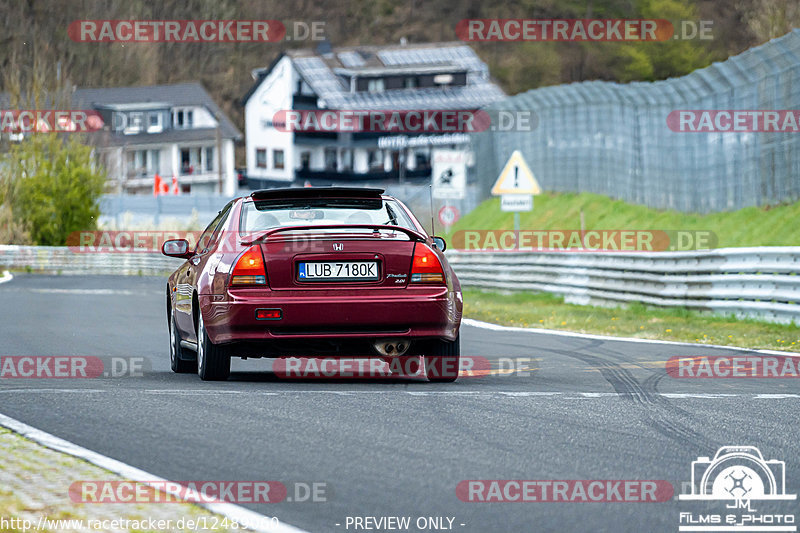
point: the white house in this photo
(430, 76)
(170, 130)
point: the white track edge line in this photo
(497, 327)
(260, 523)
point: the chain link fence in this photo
(613, 139)
(195, 211)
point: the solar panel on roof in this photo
(478, 93)
(351, 59)
(461, 55)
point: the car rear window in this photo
(263, 215)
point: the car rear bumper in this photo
(414, 312)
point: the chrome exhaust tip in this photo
(391, 347)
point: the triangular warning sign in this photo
(516, 178)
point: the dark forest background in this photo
(37, 56)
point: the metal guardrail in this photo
(62, 260)
(759, 283)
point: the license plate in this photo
(338, 271)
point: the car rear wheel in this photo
(179, 360)
(442, 361)
(213, 360)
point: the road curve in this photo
(587, 409)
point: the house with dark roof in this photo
(398, 79)
(171, 130)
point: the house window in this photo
(137, 163)
(154, 162)
(143, 163)
(347, 160)
(190, 160)
(209, 159)
(183, 118)
(330, 158)
(375, 159)
(305, 160)
(154, 123)
(261, 158)
(134, 123)
(376, 85)
(443, 80)
(277, 159)
(411, 83)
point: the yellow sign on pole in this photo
(516, 178)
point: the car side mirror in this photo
(440, 243)
(176, 248)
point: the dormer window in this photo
(443, 80)
(376, 85)
(411, 82)
(182, 118)
(128, 123)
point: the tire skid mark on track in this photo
(656, 410)
(621, 379)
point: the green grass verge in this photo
(752, 226)
(550, 312)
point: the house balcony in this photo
(138, 181)
(349, 175)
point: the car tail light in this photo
(249, 268)
(426, 267)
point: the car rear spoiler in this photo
(263, 236)
(316, 192)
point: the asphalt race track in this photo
(589, 409)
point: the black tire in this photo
(442, 361)
(213, 360)
(180, 359)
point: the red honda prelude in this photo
(309, 272)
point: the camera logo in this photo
(738, 473)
